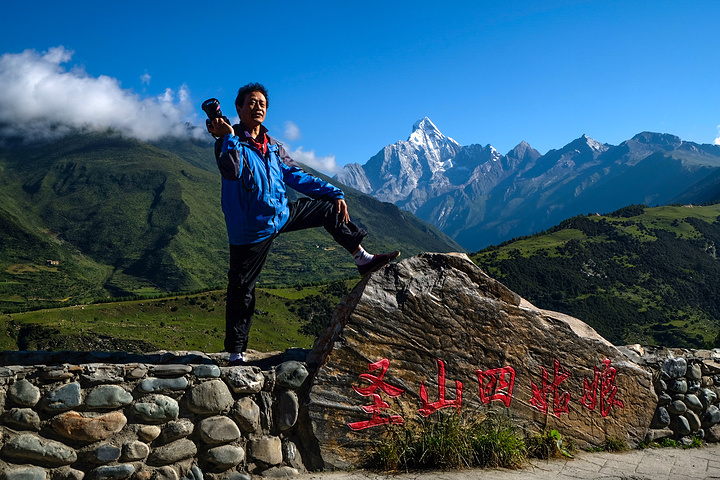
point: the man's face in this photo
(253, 110)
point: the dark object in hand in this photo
(211, 107)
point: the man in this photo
(255, 173)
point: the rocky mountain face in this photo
(434, 333)
(480, 197)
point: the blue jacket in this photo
(254, 198)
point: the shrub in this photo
(498, 444)
(449, 440)
(629, 211)
(549, 444)
(615, 445)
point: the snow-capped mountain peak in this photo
(594, 144)
(425, 124)
(424, 131)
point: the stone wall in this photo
(170, 416)
(687, 383)
(182, 416)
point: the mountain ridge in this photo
(480, 197)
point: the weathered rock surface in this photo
(64, 398)
(22, 419)
(410, 332)
(286, 410)
(150, 385)
(244, 379)
(149, 432)
(291, 455)
(205, 371)
(171, 370)
(24, 393)
(177, 429)
(219, 429)
(78, 427)
(247, 414)
(165, 473)
(266, 449)
(225, 456)
(172, 452)
(108, 396)
(25, 473)
(37, 450)
(210, 397)
(157, 408)
(291, 374)
(280, 472)
(134, 451)
(106, 453)
(112, 472)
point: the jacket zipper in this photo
(271, 199)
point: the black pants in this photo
(246, 263)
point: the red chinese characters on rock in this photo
(541, 395)
(376, 381)
(604, 381)
(428, 408)
(496, 384)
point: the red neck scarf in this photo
(262, 145)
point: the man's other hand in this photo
(341, 209)
(219, 127)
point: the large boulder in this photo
(434, 332)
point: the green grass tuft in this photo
(613, 444)
(549, 444)
(451, 441)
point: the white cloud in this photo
(145, 78)
(292, 131)
(326, 165)
(39, 97)
(717, 140)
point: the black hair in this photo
(249, 88)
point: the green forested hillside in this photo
(132, 213)
(101, 216)
(284, 318)
(639, 275)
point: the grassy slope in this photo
(123, 204)
(183, 322)
(648, 278)
(25, 278)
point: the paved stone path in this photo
(651, 464)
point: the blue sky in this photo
(347, 78)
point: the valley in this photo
(284, 318)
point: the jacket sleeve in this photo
(284, 157)
(228, 156)
(307, 184)
(310, 185)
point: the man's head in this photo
(251, 104)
